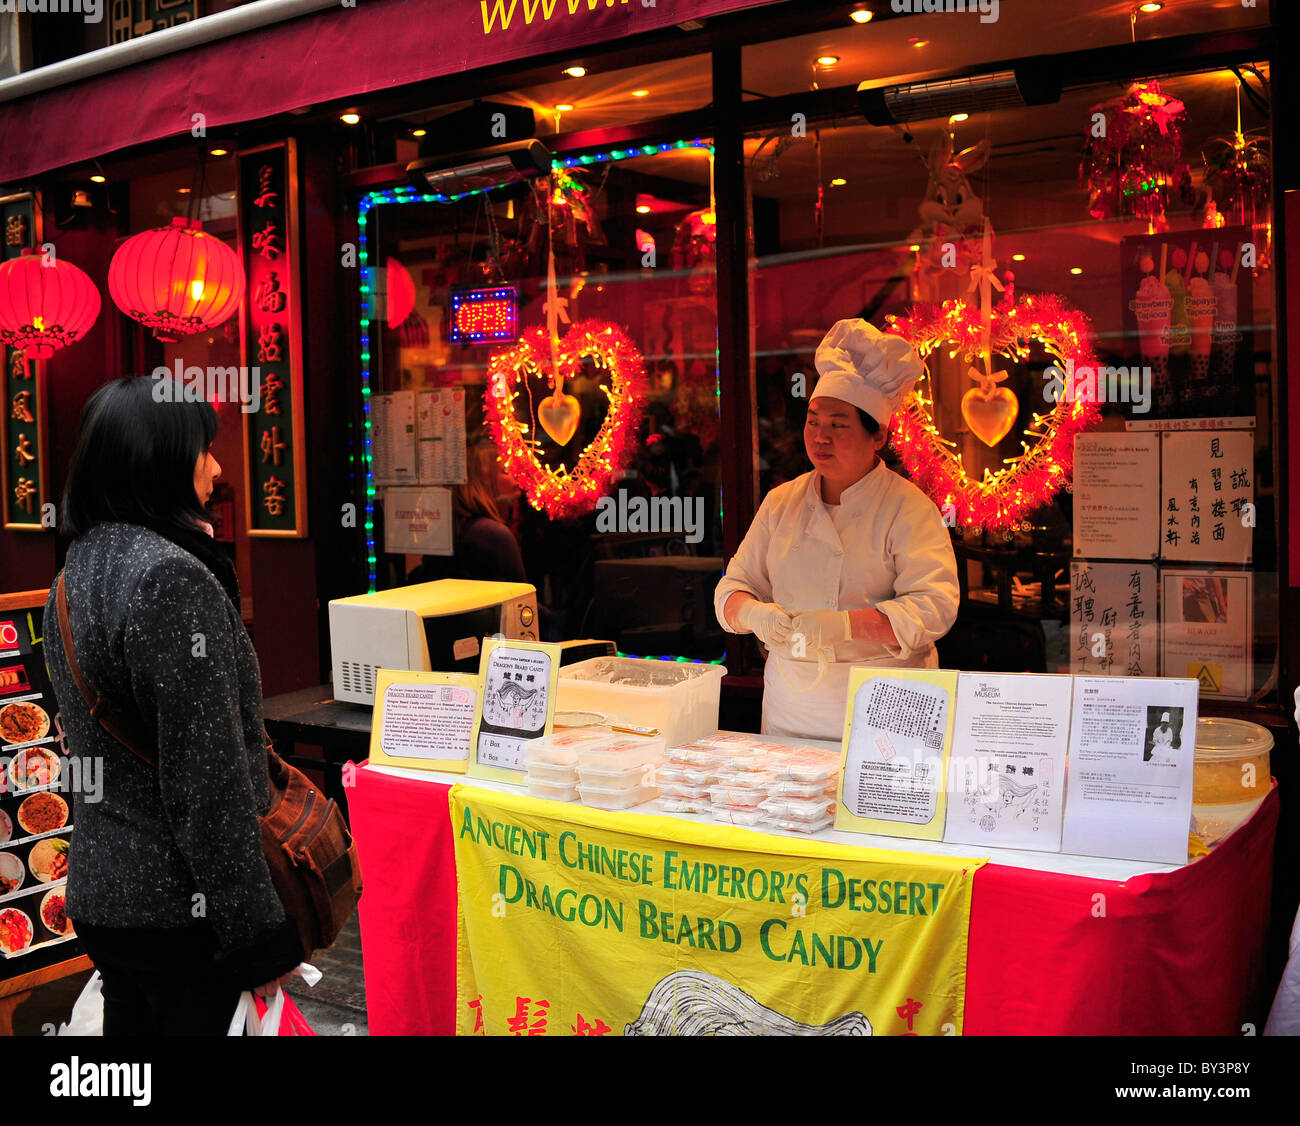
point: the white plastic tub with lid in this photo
(678, 699)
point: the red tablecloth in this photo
(1169, 953)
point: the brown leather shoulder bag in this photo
(308, 847)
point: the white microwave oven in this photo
(428, 626)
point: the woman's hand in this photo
(766, 621)
(267, 991)
(820, 629)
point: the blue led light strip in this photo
(405, 194)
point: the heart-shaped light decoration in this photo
(558, 415)
(559, 492)
(990, 411)
(1001, 500)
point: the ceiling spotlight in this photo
(98, 179)
(564, 107)
(575, 71)
(643, 209)
(1151, 7)
(956, 117)
(838, 182)
(350, 118)
(640, 93)
(914, 247)
(827, 60)
(1017, 258)
(182, 191)
(1076, 270)
(219, 152)
(861, 15)
(919, 42)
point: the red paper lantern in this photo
(45, 303)
(176, 280)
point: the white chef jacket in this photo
(891, 551)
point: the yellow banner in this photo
(596, 923)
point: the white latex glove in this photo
(766, 621)
(820, 629)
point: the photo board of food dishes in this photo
(37, 784)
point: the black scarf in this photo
(201, 545)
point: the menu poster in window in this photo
(1207, 505)
(1116, 493)
(37, 782)
(392, 438)
(440, 426)
(1189, 322)
(424, 720)
(518, 704)
(1007, 770)
(1206, 630)
(897, 732)
(1132, 747)
(418, 521)
(1114, 624)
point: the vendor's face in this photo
(206, 470)
(837, 443)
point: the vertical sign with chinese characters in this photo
(24, 476)
(1113, 624)
(274, 455)
(1207, 496)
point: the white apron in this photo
(887, 547)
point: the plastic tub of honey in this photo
(1231, 775)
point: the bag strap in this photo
(120, 728)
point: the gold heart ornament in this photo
(990, 411)
(620, 374)
(558, 415)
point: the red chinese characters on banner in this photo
(908, 1012)
(519, 1023)
(582, 1028)
(477, 1006)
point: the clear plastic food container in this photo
(1232, 762)
(622, 752)
(741, 796)
(798, 809)
(736, 815)
(548, 772)
(679, 699)
(602, 798)
(671, 803)
(788, 788)
(751, 779)
(695, 754)
(808, 764)
(686, 775)
(618, 779)
(560, 748)
(556, 791)
(682, 790)
(794, 825)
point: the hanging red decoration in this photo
(559, 492)
(45, 303)
(400, 293)
(1000, 501)
(1134, 156)
(177, 280)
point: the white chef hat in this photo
(1164, 717)
(871, 369)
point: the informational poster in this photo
(1132, 749)
(518, 704)
(418, 521)
(897, 733)
(616, 924)
(1114, 624)
(1206, 631)
(1116, 491)
(1007, 768)
(440, 430)
(425, 720)
(392, 438)
(1207, 505)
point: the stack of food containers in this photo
(743, 781)
(551, 762)
(619, 772)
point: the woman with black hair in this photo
(167, 884)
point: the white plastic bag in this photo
(88, 1013)
(245, 1022)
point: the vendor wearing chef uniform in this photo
(849, 564)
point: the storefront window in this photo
(629, 239)
(1163, 559)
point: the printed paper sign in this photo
(1206, 631)
(440, 426)
(1007, 769)
(1116, 491)
(418, 521)
(424, 720)
(518, 704)
(1114, 626)
(1132, 749)
(1207, 507)
(896, 736)
(392, 438)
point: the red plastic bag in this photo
(292, 1022)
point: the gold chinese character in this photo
(267, 241)
(22, 407)
(24, 493)
(18, 368)
(23, 450)
(268, 343)
(271, 446)
(268, 295)
(274, 502)
(270, 393)
(16, 231)
(266, 197)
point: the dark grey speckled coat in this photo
(157, 636)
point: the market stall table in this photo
(1058, 944)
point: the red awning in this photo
(338, 53)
